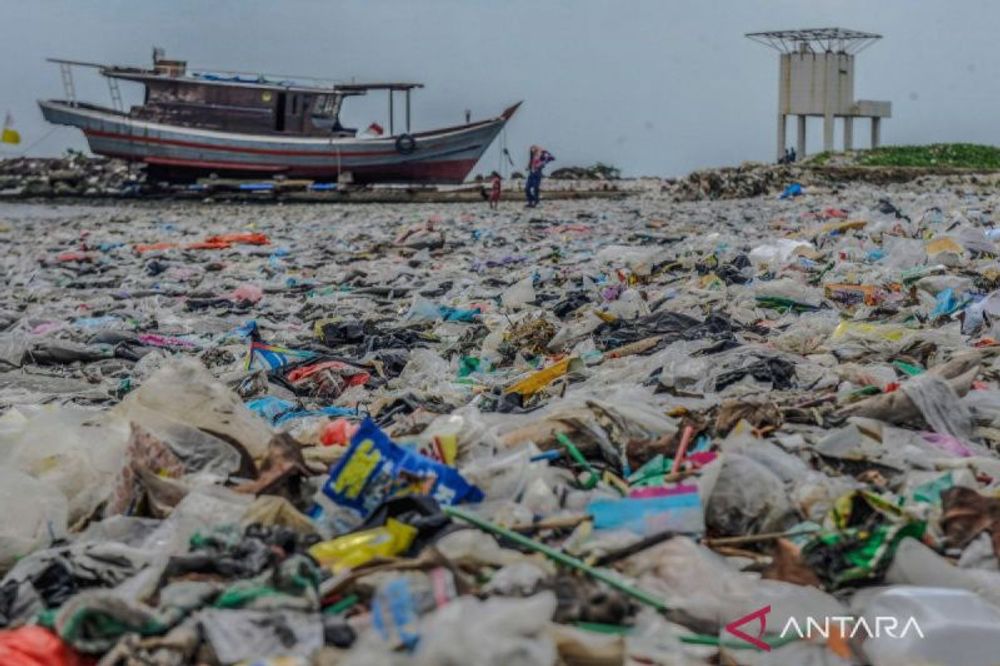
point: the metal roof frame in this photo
(202, 76)
(816, 40)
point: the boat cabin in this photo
(234, 102)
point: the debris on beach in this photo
(601, 432)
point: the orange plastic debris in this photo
(241, 238)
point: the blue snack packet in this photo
(375, 469)
(394, 613)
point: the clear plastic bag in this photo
(13, 344)
(808, 332)
(903, 252)
(916, 564)
(639, 259)
(426, 373)
(467, 426)
(748, 498)
(500, 476)
(75, 451)
(940, 406)
(789, 289)
(495, 632)
(693, 580)
(34, 513)
(955, 627)
(185, 393)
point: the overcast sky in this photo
(657, 87)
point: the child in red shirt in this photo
(495, 190)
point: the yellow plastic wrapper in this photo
(945, 250)
(943, 244)
(711, 281)
(353, 550)
(864, 330)
(539, 380)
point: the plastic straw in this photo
(558, 556)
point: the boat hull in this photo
(180, 153)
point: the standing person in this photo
(495, 183)
(538, 158)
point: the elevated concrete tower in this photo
(816, 78)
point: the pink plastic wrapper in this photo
(247, 292)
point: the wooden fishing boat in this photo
(193, 124)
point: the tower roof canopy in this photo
(816, 40)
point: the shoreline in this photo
(81, 180)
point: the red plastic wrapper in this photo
(37, 646)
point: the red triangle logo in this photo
(759, 614)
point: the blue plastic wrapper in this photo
(680, 513)
(375, 469)
(270, 408)
(945, 303)
(793, 190)
(394, 613)
(277, 411)
(455, 314)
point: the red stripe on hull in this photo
(209, 164)
(453, 171)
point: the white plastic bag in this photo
(519, 294)
(778, 253)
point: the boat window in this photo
(295, 104)
(279, 113)
(327, 106)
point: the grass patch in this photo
(819, 159)
(960, 155)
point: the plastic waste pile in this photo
(753, 431)
(750, 179)
(74, 174)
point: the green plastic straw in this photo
(575, 454)
(604, 576)
(341, 605)
(558, 556)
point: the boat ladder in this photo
(116, 95)
(66, 73)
